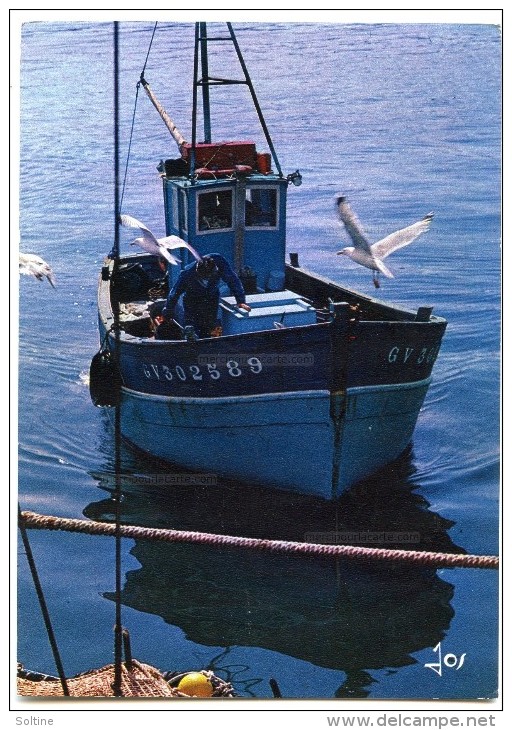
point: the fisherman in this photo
(199, 284)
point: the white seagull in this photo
(157, 246)
(371, 255)
(33, 265)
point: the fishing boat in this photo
(313, 389)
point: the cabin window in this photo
(215, 210)
(261, 208)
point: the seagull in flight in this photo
(157, 246)
(33, 265)
(372, 255)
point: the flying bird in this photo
(157, 246)
(33, 265)
(372, 255)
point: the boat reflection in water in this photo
(339, 614)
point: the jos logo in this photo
(449, 661)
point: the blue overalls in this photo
(201, 296)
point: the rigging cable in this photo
(133, 118)
(149, 49)
(129, 145)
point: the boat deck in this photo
(305, 300)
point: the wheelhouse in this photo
(242, 217)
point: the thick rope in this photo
(437, 560)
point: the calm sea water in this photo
(404, 119)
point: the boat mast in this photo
(255, 99)
(205, 87)
(194, 105)
(201, 48)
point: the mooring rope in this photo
(416, 557)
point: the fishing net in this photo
(138, 680)
(141, 680)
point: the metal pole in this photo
(173, 129)
(192, 167)
(240, 192)
(42, 604)
(118, 637)
(204, 83)
(254, 98)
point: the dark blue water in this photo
(404, 119)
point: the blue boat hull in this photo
(281, 440)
